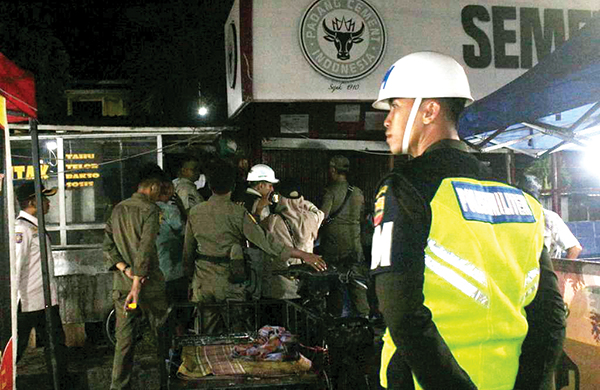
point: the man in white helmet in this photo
(464, 283)
(257, 200)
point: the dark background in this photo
(166, 51)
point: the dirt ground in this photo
(90, 368)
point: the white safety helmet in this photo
(422, 75)
(262, 172)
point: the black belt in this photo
(214, 259)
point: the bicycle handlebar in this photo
(302, 270)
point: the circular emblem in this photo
(231, 54)
(342, 39)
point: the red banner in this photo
(18, 87)
(6, 367)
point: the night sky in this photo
(101, 35)
(171, 46)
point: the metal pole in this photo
(555, 183)
(9, 290)
(50, 326)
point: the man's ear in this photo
(431, 111)
(155, 189)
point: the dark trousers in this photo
(347, 299)
(179, 317)
(37, 319)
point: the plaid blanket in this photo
(200, 361)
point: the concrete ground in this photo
(90, 368)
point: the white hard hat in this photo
(262, 172)
(424, 74)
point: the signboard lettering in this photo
(25, 172)
(542, 28)
(75, 170)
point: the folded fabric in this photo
(274, 343)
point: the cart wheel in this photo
(109, 327)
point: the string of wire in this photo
(155, 150)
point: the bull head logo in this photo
(342, 34)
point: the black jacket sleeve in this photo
(544, 341)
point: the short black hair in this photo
(149, 182)
(23, 204)
(221, 176)
(453, 107)
(151, 170)
(186, 160)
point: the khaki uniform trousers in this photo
(153, 305)
(210, 286)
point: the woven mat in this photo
(200, 361)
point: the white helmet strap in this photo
(409, 124)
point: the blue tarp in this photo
(554, 104)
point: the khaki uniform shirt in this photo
(341, 237)
(304, 219)
(216, 225)
(130, 237)
(187, 192)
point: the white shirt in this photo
(29, 270)
(557, 235)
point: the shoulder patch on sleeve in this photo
(382, 191)
(19, 238)
(379, 206)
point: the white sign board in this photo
(339, 50)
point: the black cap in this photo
(290, 190)
(27, 190)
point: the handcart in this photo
(193, 355)
(342, 351)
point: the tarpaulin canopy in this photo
(18, 87)
(553, 106)
(17, 104)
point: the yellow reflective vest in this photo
(481, 270)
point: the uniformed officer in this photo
(457, 258)
(340, 241)
(294, 222)
(30, 292)
(215, 232)
(138, 284)
(184, 183)
(256, 199)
